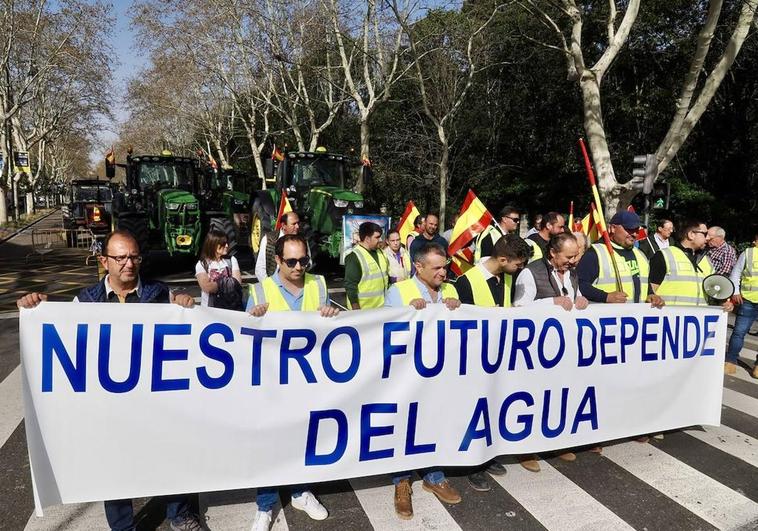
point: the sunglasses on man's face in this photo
(291, 262)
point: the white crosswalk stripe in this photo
(549, 497)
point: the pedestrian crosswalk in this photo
(696, 478)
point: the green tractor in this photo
(231, 191)
(219, 203)
(317, 185)
(156, 203)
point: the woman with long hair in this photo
(213, 265)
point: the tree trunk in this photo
(360, 186)
(3, 206)
(444, 162)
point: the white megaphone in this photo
(718, 287)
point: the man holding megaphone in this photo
(745, 279)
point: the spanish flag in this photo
(284, 207)
(462, 261)
(588, 225)
(110, 157)
(473, 219)
(276, 154)
(405, 225)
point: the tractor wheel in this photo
(259, 224)
(226, 226)
(138, 228)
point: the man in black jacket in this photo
(121, 259)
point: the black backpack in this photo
(229, 294)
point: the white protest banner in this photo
(129, 400)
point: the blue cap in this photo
(628, 220)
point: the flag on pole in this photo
(589, 226)
(405, 225)
(284, 207)
(473, 219)
(110, 157)
(276, 154)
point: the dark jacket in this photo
(151, 292)
(543, 279)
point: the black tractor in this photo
(89, 207)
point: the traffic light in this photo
(660, 195)
(646, 166)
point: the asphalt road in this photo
(696, 478)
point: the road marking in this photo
(740, 402)
(697, 492)
(235, 511)
(556, 501)
(376, 495)
(72, 517)
(11, 405)
(730, 441)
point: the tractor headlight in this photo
(239, 202)
(358, 204)
(191, 206)
(341, 203)
(172, 206)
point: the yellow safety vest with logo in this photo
(374, 280)
(536, 250)
(315, 294)
(749, 280)
(491, 232)
(683, 283)
(481, 290)
(409, 290)
(606, 280)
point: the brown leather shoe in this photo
(444, 491)
(530, 462)
(403, 502)
(730, 368)
(642, 439)
(597, 449)
(567, 456)
(755, 371)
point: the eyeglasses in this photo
(704, 233)
(121, 260)
(292, 262)
(515, 220)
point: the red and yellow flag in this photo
(588, 225)
(462, 261)
(284, 207)
(473, 219)
(276, 154)
(110, 157)
(405, 225)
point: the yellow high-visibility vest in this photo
(409, 290)
(749, 280)
(606, 280)
(481, 290)
(491, 232)
(536, 250)
(374, 280)
(315, 294)
(683, 283)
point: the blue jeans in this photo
(746, 316)
(434, 477)
(266, 497)
(120, 513)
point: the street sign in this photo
(2, 163)
(21, 162)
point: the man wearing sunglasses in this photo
(509, 218)
(122, 284)
(265, 264)
(677, 272)
(290, 288)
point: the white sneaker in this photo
(307, 502)
(262, 521)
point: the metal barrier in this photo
(45, 241)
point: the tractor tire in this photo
(260, 223)
(138, 228)
(226, 226)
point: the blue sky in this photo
(128, 63)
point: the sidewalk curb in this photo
(22, 229)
